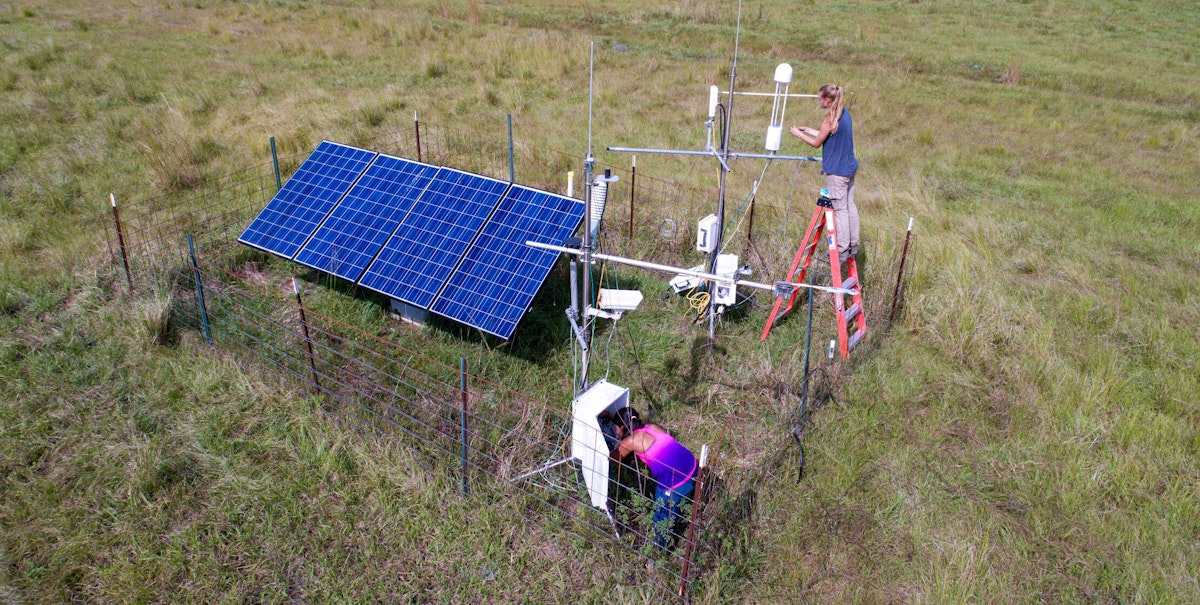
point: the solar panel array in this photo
(351, 237)
(427, 246)
(434, 238)
(500, 275)
(315, 188)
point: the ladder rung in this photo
(856, 337)
(850, 283)
(852, 312)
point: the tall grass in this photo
(1026, 432)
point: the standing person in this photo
(836, 138)
(672, 466)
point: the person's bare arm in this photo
(812, 136)
(637, 442)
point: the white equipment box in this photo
(706, 234)
(587, 440)
(679, 283)
(727, 266)
(619, 300)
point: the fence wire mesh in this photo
(388, 389)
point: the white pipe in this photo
(711, 151)
(771, 94)
(688, 272)
(574, 287)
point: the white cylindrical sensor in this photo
(599, 198)
(774, 135)
(712, 101)
(783, 76)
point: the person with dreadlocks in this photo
(672, 466)
(838, 163)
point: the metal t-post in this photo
(121, 241)
(724, 155)
(463, 417)
(199, 289)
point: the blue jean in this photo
(666, 511)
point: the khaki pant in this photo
(845, 214)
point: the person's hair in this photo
(627, 418)
(835, 92)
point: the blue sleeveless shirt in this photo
(837, 153)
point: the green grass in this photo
(1027, 431)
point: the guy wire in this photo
(738, 213)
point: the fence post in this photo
(632, 194)
(750, 229)
(798, 428)
(900, 273)
(417, 127)
(697, 504)
(121, 241)
(199, 289)
(463, 417)
(512, 174)
(312, 364)
(275, 161)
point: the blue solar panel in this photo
(430, 240)
(357, 228)
(497, 280)
(294, 213)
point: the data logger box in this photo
(588, 444)
(727, 266)
(706, 234)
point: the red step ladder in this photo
(822, 220)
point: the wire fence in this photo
(461, 424)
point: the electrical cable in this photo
(698, 301)
(738, 213)
(608, 342)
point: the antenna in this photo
(589, 162)
(591, 74)
(713, 246)
(727, 124)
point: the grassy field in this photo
(1026, 432)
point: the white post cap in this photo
(783, 73)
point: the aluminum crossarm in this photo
(794, 95)
(706, 276)
(731, 155)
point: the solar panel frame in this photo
(299, 207)
(429, 242)
(356, 229)
(499, 276)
